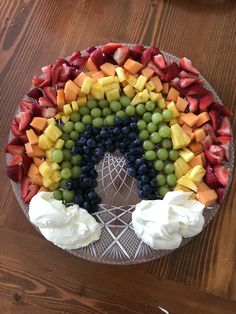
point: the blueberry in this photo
(132, 136)
(145, 178)
(131, 171)
(78, 200)
(137, 142)
(82, 141)
(146, 188)
(116, 130)
(125, 130)
(118, 120)
(142, 194)
(139, 161)
(86, 205)
(110, 148)
(93, 183)
(92, 195)
(98, 152)
(91, 143)
(134, 119)
(104, 134)
(133, 126)
(93, 173)
(75, 150)
(153, 183)
(85, 149)
(142, 169)
(70, 185)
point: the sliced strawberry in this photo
(35, 93)
(225, 147)
(15, 149)
(109, 58)
(159, 61)
(121, 55)
(213, 158)
(16, 160)
(208, 129)
(48, 112)
(186, 65)
(183, 74)
(223, 139)
(37, 81)
(211, 179)
(222, 109)
(17, 119)
(89, 50)
(222, 174)
(205, 102)
(24, 138)
(208, 141)
(77, 63)
(28, 190)
(193, 103)
(25, 119)
(110, 48)
(16, 141)
(26, 162)
(220, 193)
(175, 83)
(26, 105)
(158, 71)
(33, 189)
(15, 130)
(75, 55)
(136, 52)
(171, 71)
(14, 172)
(97, 57)
(146, 56)
(196, 90)
(187, 81)
(50, 92)
(45, 102)
(62, 61)
(56, 69)
(224, 128)
(62, 84)
(47, 72)
(65, 73)
(215, 118)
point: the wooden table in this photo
(37, 277)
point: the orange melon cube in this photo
(179, 118)
(196, 148)
(90, 73)
(173, 94)
(147, 72)
(181, 104)
(188, 130)
(38, 123)
(203, 159)
(190, 119)
(108, 69)
(29, 150)
(60, 99)
(133, 66)
(203, 187)
(42, 189)
(202, 118)
(32, 137)
(71, 91)
(90, 66)
(33, 150)
(37, 179)
(208, 197)
(165, 88)
(80, 79)
(37, 161)
(157, 82)
(97, 75)
(197, 160)
(199, 135)
(33, 170)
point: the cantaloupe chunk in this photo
(190, 119)
(133, 66)
(60, 99)
(157, 83)
(42, 189)
(173, 94)
(97, 75)
(37, 161)
(90, 66)
(32, 137)
(207, 198)
(33, 170)
(197, 160)
(147, 72)
(33, 150)
(179, 119)
(71, 91)
(37, 179)
(181, 104)
(165, 88)
(196, 148)
(38, 123)
(80, 79)
(188, 130)
(29, 150)
(202, 118)
(90, 73)
(108, 68)
(199, 135)
(203, 158)
(203, 187)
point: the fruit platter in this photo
(120, 153)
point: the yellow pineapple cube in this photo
(173, 121)
(87, 84)
(136, 100)
(113, 94)
(97, 91)
(161, 103)
(172, 107)
(106, 80)
(81, 101)
(141, 82)
(179, 137)
(49, 154)
(59, 143)
(154, 96)
(74, 106)
(55, 166)
(188, 183)
(121, 74)
(196, 174)
(144, 95)
(186, 154)
(129, 91)
(45, 142)
(56, 176)
(51, 121)
(67, 109)
(111, 86)
(54, 186)
(132, 80)
(181, 167)
(150, 86)
(65, 119)
(45, 170)
(53, 132)
(58, 115)
(47, 182)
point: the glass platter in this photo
(118, 243)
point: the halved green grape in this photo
(66, 173)
(76, 159)
(57, 194)
(166, 143)
(162, 154)
(74, 135)
(66, 164)
(157, 118)
(144, 135)
(161, 125)
(84, 110)
(69, 144)
(161, 180)
(167, 115)
(140, 109)
(171, 179)
(66, 154)
(110, 120)
(150, 155)
(102, 103)
(147, 117)
(173, 154)
(96, 112)
(121, 114)
(151, 127)
(148, 145)
(106, 112)
(125, 101)
(92, 103)
(87, 119)
(142, 125)
(158, 165)
(165, 131)
(98, 122)
(76, 172)
(79, 127)
(57, 155)
(65, 136)
(150, 105)
(169, 168)
(155, 137)
(130, 110)
(68, 196)
(115, 105)
(75, 117)
(63, 183)
(68, 127)
(163, 190)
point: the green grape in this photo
(110, 120)
(98, 122)
(147, 117)
(74, 135)
(150, 105)
(151, 127)
(96, 112)
(76, 172)
(148, 145)
(75, 159)
(150, 155)
(66, 173)
(140, 109)
(115, 105)
(92, 103)
(79, 127)
(66, 154)
(173, 154)
(142, 125)
(63, 183)
(157, 118)
(155, 137)
(65, 136)
(167, 115)
(163, 190)
(159, 165)
(171, 179)
(166, 143)
(130, 110)
(68, 127)
(68, 196)
(125, 101)
(161, 125)
(66, 164)
(69, 144)
(165, 131)
(57, 194)
(162, 154)
(75, 117)
(57, 155)
(87, 119)
(169, 168)
(102, 103)
(143, 135)
(106, 112)
(84, 110)
(121, 114)
(161, 180)
(157, 110)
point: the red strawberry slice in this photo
(77, 63)
(136, 52)
(16, 141)
(25, 117)
(205, 102)
(224, 128)
(33, 189)
(37, 81)
(121, 55)
(48, 112)
(73, 74)
(186, 65)
(50, 92)
(15, 149)
(61, 61)
(17, 119)
(183, 74)
(23, 161)
(208, 129)
(222, 173)
(14, 172)
(225, 147)
(208, 141)
(16, 160)
(35, 93)
(196, 90)
(26, 105)
(108, 58)
(110, 48)
(15, 130)
(146, 56)
(223, 139)
(213, 158)
(47, 72)
(75, 55)
(28, 190)
(56, 69)
(211, 179)
(158, 71)
(24, 138)
(220, 193)
(45, 102)
(159, 61)
(215, 118)
(65, 73)
(97, 57)
(34, 107)
(89, 50)
(193, 103)
(171, 71)
(175, 83)
(187, 81)
(222, 109)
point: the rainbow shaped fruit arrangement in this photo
(172, 132)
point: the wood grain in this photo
(35, 33)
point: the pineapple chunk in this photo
(45, 142)
(58, 115)
(97, 91)
(180, 187)
(150, 86)
(186, 154)
(106, 80)
(132, 80)
(181, 167)
(188, 183)
(136, 100)
(141, 82)
(67, 109)
(45, 170)
(179, 137)
(81, 101)
(113, 94)
(173, 121)
(53, 132)
(47, 182)
(87, 84)
(56, 177)
(55, 166)
(121, 74)
(154, 96)
(65, 119)
(75, 106)
(111, 86)
(144, 95)
(196, 174)
(51, 121)
(129, 91)
(49, 153)
(59, 143)
(172, 107)
(161, 103)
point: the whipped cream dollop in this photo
(67, 227)
(162, 224)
